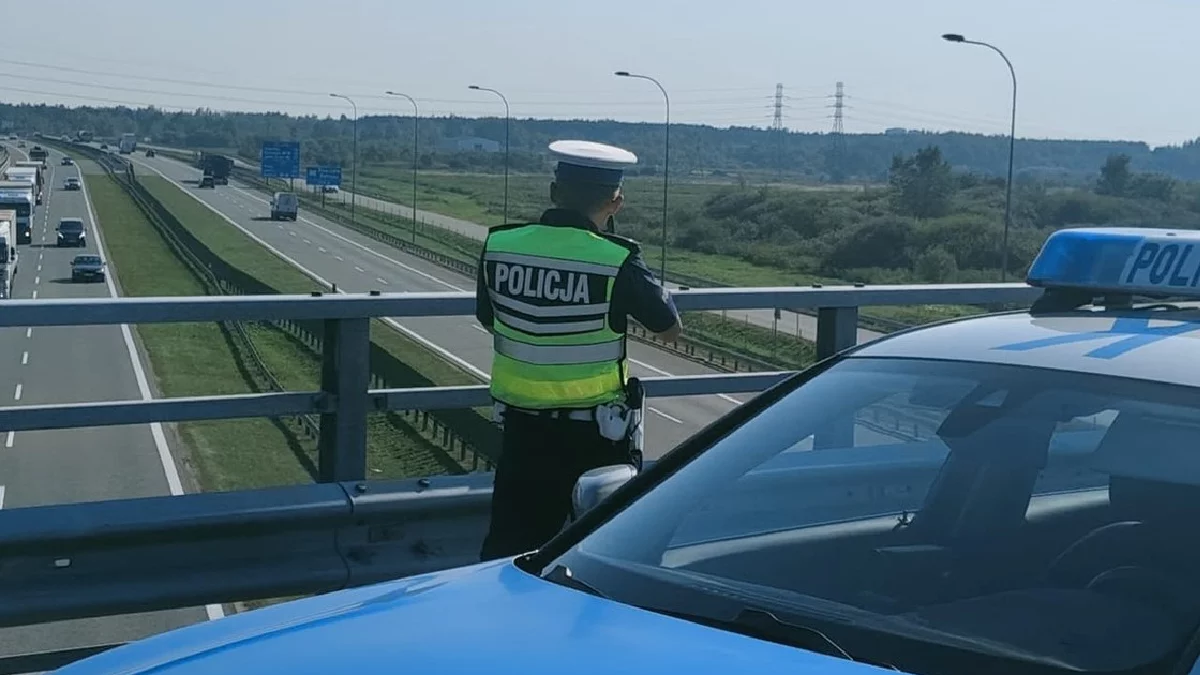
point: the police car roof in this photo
(1139, 344)
(1146, 341)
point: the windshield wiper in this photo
(562, 575)
(763, 625)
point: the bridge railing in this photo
(134, 555)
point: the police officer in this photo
(556, 296)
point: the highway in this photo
(358, 264)
(792, 323)
(68, 365)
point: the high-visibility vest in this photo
(550, 289)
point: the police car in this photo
(1013, 493)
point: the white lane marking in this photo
(17, 393)
(291, 233)
(664, 415)
(37, 280)
(174, 484)
(359, 269)
(338, 257)
(35, 295)
(322, 249)
(25, 359)
(481, 329)
(10, 439)
(366, 249)
(1, 496)
(29, 332)
(39, 266)
(381, 280)
(659, 371)
(306, 241)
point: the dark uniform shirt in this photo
(636, 293)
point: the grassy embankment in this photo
(195, 359)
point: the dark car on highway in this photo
(71, 184)
(71, 232)
(149, 152)
(67, 161)
(88, 267)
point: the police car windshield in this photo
(968, 507)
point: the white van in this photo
(284, 206)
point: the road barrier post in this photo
(345, 379)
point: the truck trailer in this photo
(22, 170)
(8, 252)
(18, 197)
(127, 144)
(217, 167)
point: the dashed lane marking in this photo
(17, 393)
(664, 415)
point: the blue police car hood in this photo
(490, 618)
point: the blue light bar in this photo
(1139, 261)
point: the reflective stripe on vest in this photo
(551, 292)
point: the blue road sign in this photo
(280, 159)
(323, 175)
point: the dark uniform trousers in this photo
(541, 458)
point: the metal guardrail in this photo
(133, 555)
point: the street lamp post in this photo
(416, 114)
(507, 117)
(666, 163)
(354, 174)
(1012, 142)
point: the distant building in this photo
(895, 131)
(469, 144)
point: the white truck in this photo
(27, 171)
(8, 252)
(127, 144)
(18, 197)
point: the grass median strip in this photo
(393, 447)
(198, 359)
(191, 359)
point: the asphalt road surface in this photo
(358, 264)
(791, 323)
(73, 364)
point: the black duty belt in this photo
(586, 415)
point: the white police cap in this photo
(587, 161)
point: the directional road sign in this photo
(323, 175)
(280, 159)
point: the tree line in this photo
(931, 223)
(695, 149)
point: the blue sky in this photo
(1086, 68)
